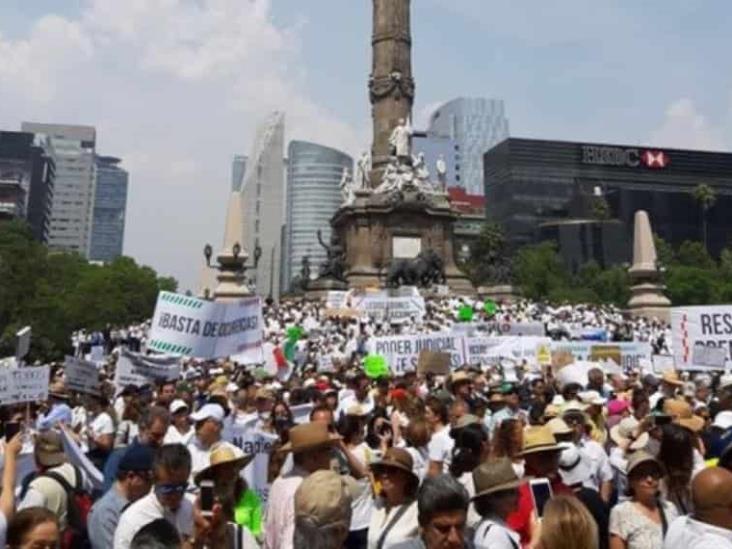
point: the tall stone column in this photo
(391, 86)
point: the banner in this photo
(488, 349)
(335, 299)
(252, 441)
(627, 354)
(389, 309)
(706, 325)
(206, 329)
(138, 370)
(77, 457)
(27, 384)
(402, 352)
(518, 328)
(81, 375)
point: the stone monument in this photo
(647, 299)
(398, 212)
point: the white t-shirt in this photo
(420, 460)
(146, 510)
(362, 505)
(440, 448)
(685, 533)
(173, 436)
(494, 534)
(101, 425)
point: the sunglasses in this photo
(171, 489)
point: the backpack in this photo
(78, 505)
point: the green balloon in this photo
(375, 366)
(490, 307)
(294, 333)
(465, 313)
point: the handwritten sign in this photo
(29, 384)
(139, 370)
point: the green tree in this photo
(705, 196)
(665, 255)
(487, 248)
(540, 272)
(694, 254)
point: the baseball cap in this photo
(177, 405)
(723, 420)
(138, 457)
(209, 411)
(49, 448)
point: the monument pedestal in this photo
(500, 293)
(648, 301)
(414, 221)
(319, 288)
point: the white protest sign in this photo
(27, 384)
(96, 353)
(662, 363)
(325, 363)
(519, 328)
(402, 352)
(625, 354)
(139, 370)
(206, 329)
(258, 443)
(81, 375)
(706, 325)
(389, 309)
(483, 349)
(335, 299)
(78, 457)
(709, 356)
(22, 344)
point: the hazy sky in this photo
(176, 87)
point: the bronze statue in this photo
(426, 269)
(334, 265)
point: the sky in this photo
(176, 88)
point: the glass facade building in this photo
(313, 195)
(531, 185)
(476, 125)
(110, 204)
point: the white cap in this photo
(232, 387)
(592, 397)
(723, 420)
(177, 405)
(209, 411)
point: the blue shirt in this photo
(103, 519)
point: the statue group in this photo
(424, 270)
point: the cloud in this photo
(685, 127)
(175, 88)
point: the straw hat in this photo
(640, 457)
(309, 436)
(49, 448)
(539, 439)
(397, 458)
(221, 453)
(460, 377)
(625, 435)
(682, 414)
(672, 378)
(559, 427)
(494, 476)
(323, 499)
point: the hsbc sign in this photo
(619, 156)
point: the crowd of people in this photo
(471, 458)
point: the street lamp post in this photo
(231, 267)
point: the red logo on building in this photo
(655, 159)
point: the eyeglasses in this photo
(171, 489)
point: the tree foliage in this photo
(57, 293)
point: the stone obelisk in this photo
(647, 299)
(391, 85)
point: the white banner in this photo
(335, 299)
(139, 370)
(485, 349)
(252, 441)
(389, 309)
(402, 352)
(81, 375)
(77, 457)
(519, 328)
(206, 329)
(26, 384)
(706, 325)
(627, 354)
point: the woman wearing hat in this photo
(239, 504)
(642, 521)
(394, 518)
(497, 495)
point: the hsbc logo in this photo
(619, 156)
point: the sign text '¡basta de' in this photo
(193, 326)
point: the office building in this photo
(313, 195)
(476, 125)
(238, 169)
(264, 204)
(471, 218)
(72, 149)
(26, 182)
(110, 204)
(533, 188)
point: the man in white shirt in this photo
(171, 469)
(710, 526)
(209, 422)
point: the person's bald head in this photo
(711, 491)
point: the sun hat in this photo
(625, 434)
(323, 499)
(493, 476)
(177, 405)
(559, 427)
(638, 458)
(397, 458)
(672, 378)
(539, 439)
(682, 414)
(309, 436)
(49, 448)
(209, 411)
(723, 420)
(572, 468)
(222, 453)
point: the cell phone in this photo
(207, 497)
(12, 428)
(541, 492)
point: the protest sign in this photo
(81, 375)
(627, 354)
(254, 442)
(96, 353)
(388, 308)
(706, 325)
(544, 354)
(335, 299)
(138, 370)
(519, 328)
(433, 363)
(22, 342)
(402, 352)
(488, 349)
(206, 329)
(709, 357)
(662, 363)
(78, 458)
(27, 384)
(325, 363)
